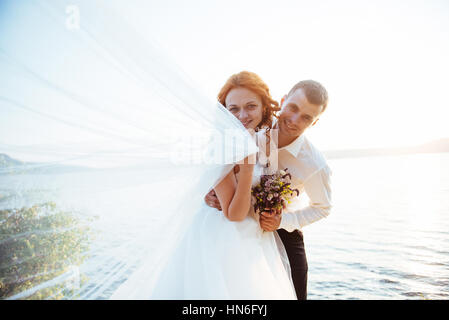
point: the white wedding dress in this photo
(218, 259)
(104, 126)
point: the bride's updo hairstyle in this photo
(254, 83)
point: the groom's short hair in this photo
(315, 92)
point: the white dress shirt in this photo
(310, 173)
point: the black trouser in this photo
(294, 245)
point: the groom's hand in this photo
(270, 221)
(211, 200)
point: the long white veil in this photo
(106, 150)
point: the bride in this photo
(224, 254)
(99, 118)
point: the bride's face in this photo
(246, 106)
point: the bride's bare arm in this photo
(235, 197)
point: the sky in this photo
(384, 63)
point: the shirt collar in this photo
(295, 146)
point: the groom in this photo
(301, 109)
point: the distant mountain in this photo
(7, 161)
(31, 167)
(436, 146)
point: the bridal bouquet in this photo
(273, 192)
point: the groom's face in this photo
(297, 114)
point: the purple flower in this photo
(273, 191)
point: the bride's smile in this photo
(245, 106)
